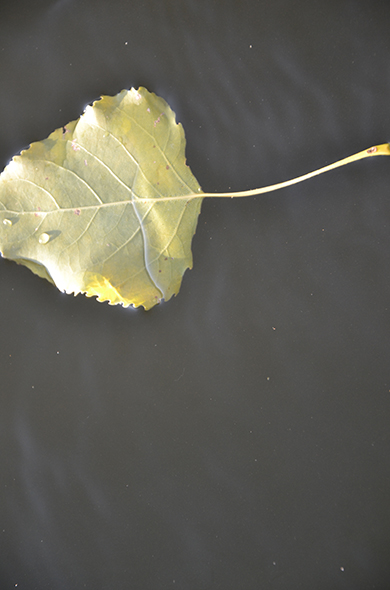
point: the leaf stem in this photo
(377, 150)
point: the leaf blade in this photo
(93, 209)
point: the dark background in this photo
(236, 437)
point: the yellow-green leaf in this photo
(107, 206)
(92, 208)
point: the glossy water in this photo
(237, 436)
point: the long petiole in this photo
(377, 150)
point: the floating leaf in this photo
(107, 206)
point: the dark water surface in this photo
(236, 437)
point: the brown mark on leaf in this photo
(372, 150)
(77, 211)
(75, 147)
